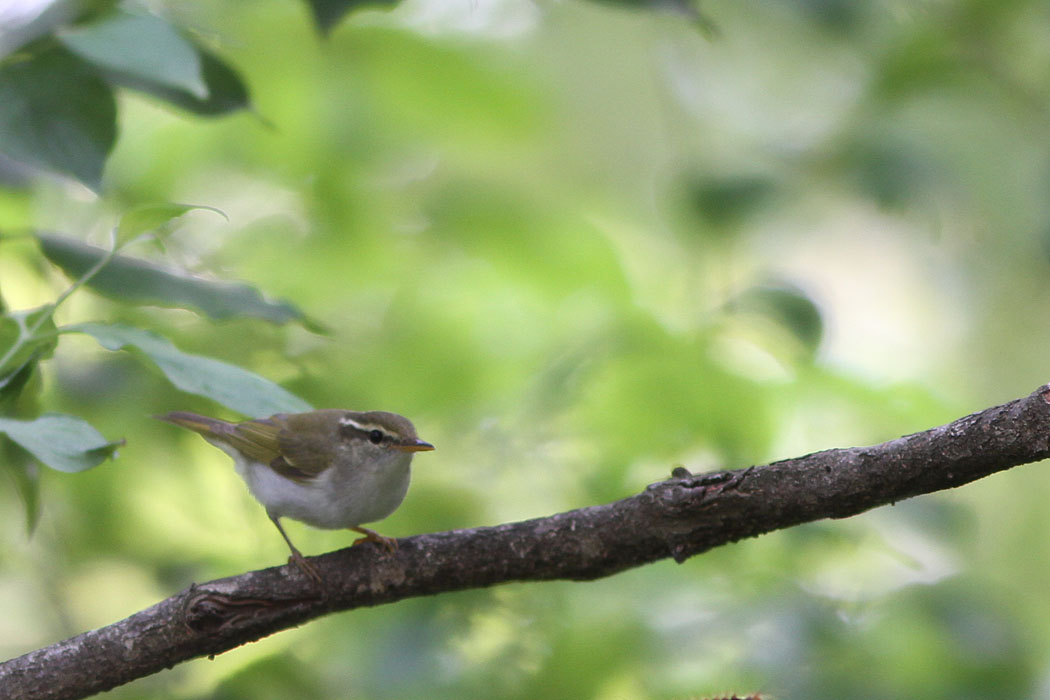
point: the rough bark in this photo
(678, 518)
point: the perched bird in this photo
(329, 468)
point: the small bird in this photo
(329, 468)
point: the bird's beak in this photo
(416, 445)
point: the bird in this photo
(329, 468)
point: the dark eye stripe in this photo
(349, 430)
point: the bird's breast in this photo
(334, 499)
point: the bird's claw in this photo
(387, 543)
(306, 567)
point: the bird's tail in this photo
(198, 424)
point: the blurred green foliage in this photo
(577, 243)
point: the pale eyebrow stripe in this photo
(363, 427)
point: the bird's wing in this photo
(297, 457)
(257, 439)
(270, 441)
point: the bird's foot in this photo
(306, 567)
(387, 543)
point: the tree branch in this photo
(677, 518)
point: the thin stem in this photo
(114, 250)
(30, 332)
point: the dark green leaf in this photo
(90, 10)
(138, 281)
(26, 475)
(12, 384)
(62, 442)
(26, 338)
(10, 333)
(148, 217)
(225, 91)
(232, 386)
(682, 8)
(893, 171)
(141, 46)
(57, 114)
(838, 15)
(788, 306)
(328, 13)
(726, 201)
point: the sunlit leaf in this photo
(57, 114)
(10, 333)
(148, 217)
(62, 442)
(12, 384)
(232, 386)
(142, 46)
(25, 336)
(141, 282)
(20, 388)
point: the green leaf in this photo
(62, 442)
(57, 114)
(31, 20)
(26, 475)
(148, 217)
(140, 282)
(225, 92)
(683, 8)
(232, 386)
(724, 202)
(25, 337)
(141, 46)
(328, 13)
(893, 171)
(13, 383)
(20, 28)
(788, 306)
(10, 333)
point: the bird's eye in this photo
(375, 437)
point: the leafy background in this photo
(577, 243)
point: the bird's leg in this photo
(387, 543)
(297, 557)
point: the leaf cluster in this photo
(59, 72)
(29, 337)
